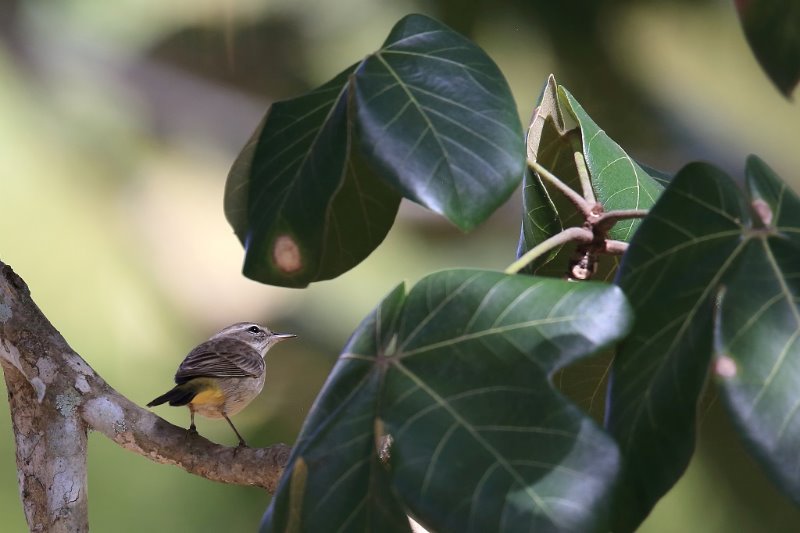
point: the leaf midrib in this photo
(429, 124)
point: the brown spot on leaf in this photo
(286, 254)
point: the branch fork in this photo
(56, 397)
(592, 236)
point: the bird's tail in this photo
(178, 395)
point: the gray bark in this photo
(55, 397)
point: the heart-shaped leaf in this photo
(457, 374)
(772, 28)
(758, 331)
(672, 271)
(437, 119)
(437, 124)
(482, 440)
(299, 197)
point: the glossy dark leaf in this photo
(457, 373)
(437, 119)
(436, 124)
(758, 332)
(299, 197)
(334, 480)
(772, 28)
(483, 441)
(671, 273)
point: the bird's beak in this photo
(283, 336)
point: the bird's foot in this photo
(241, 446)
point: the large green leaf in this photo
(676, 263)
(299, 197)
(758, 332)
(437, 125)
(437, 119)
(334, 480)
(772, 28)
(483, 441)
(458, 374)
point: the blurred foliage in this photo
(578, 34)
(266, 56)
(121, 120)
(772, 28)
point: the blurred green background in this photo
(120, 121)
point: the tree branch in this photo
(55, 397)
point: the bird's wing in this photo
(221, 358)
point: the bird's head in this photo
(259, 337)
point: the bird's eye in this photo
(254, 329)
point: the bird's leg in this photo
(241, 440)
(192, 427)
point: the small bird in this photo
(223, 374)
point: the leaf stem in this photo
(605, 221)
(615, 247)
(622, 214)
(577, 200)
(583, 171)
(570, 234)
